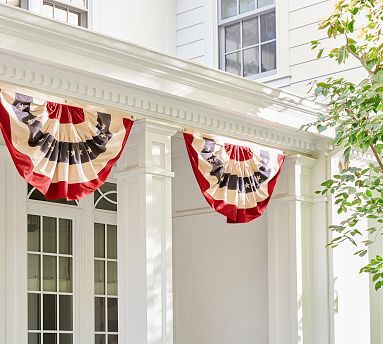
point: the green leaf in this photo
(321, 128)
(369, 193)
(378, 77)
(320, 53)
(371, 64)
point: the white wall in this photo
(220, 270)
(148, 23)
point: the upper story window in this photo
(248, 37)
(71, 11)
(17, 3)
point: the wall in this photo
(220, 271)
(148, 23)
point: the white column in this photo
(13, 237)
(145, 236)
(298, 266)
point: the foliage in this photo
(355, 111)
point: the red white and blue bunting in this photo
(237, 180)
(64, 151)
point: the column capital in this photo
(152, 126)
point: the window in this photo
(50, 285)
(248, 37)
(12, 2)
(105, 284)
(72, 12)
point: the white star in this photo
(73, 152)
(80, 151)
(247, 185)
(41, 140)
(31, 121)
(103, 136)
(52, 148)
(89, 150)
(21, 107)
(258, 178)
(207, 149)
(103, 126)
(49, 144)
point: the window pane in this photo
(60, 14)
(34, 338)
(246, 5)
(33, 233)
(48, 10)
(106, 197)
(99, 240)
(65, 236)
(66, 338)
(49, 273)
(269, 59)
(250, 34)
(112, 339)
(232, 37)
(66, 313)
(73, 18)
(78, 2)
(229, 8)
(49, 311)
(99, 314)
(33, 272)
(49, 234)
(251, 61)
(100, 339)
(268, 27)
(99, 277)
(112, 242)
(33, 311)
(112, 278)
(65, 270)
(233, 63)
(262, 3)
(112, 315)
(13, 2)
(50, 338)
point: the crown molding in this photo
(67, 62)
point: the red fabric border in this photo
(232, 213)
(42, 183)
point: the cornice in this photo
(85, 67)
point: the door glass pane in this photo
(34, 338)
(48, 10)
(65, 236)
(112, 278)
(66, 313)
(73, 18)
(232, 37)
(246, 5)
(33, 272)
(65, 269)
(233, 63)
(50, 338)
(112, 339)
(100, 339)
(112, 315)
(229, 8)
(99, 277)
(112, 241)
(250, 35)
(268, 27)
(33, 233)
(33, 311)
(49, 273)
(49, 311)
(269, 59)
(263, 3)
(49, 234)
(60, 14)
(251, 62)
(66, 338)
(99, 240)
(99, 314)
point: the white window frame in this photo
(222, 23)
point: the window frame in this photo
(256, 13)
(83, 11)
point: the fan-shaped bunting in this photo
(236, 180)
(64, 151)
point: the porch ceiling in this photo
(84, 67)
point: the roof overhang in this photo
(84, 67)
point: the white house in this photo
(159, 266)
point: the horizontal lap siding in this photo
(191, 44)
(304, 18)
